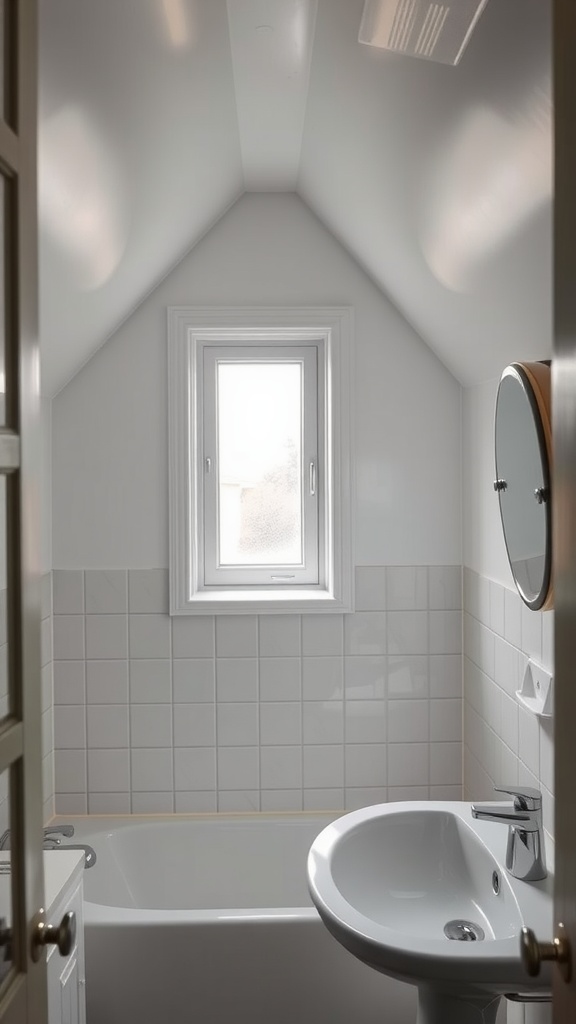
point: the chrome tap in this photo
(525, 856)
(53, 831)
(50, 834)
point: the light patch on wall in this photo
(81, 198)
(487, 184)
(179, 22)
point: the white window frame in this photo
(191, 330)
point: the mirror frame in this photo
(535, 380)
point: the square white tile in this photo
(150, 681)
(280, 679)
(153, 803)
(408, 676)
(365, 721)
(281, 767)
(445, 587)
(151, 725)
(236, 636)
(365, 764)
(279, 636)
(365, 633)
(195, 769)
(322, 679)
(406, 587)
(445, 763)
(195, 803)
(237, 724)
(151, 769)
(148, 590)
(370, 588)
(106, 636)
(408, 721)
(281, 800)
(106, 591)
(407, 632)
(323, 766)
(69, 727)
(445, 632)
(69, 682)
(497, 608)
(109, 803)
(149, 636)
(68, 637)
(408, 764)
(107, 682)
(68, 591)
(322, 635)
(445, 675)
(194, 725)
(109, 771)
(323, 721)
(446, 719)
(107, 726)
(193, 636)
(238, 768)
(365, 677)
(280, 723)
(194, 680)
(236, 679)
(240, 801)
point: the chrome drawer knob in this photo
(63, 935)
(533, 953)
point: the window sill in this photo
(262, 602)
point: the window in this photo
(260, 481)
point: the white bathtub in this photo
(207, 919)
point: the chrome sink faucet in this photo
(525, 856)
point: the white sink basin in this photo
(387, 879)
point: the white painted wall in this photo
(110, 422)
(483, 539)
(46, 483)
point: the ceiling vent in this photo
(418, 28)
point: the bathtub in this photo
(206, 919)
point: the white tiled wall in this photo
(47, 697)
(503, 743)
(279, 712)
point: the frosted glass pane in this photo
(260, 463)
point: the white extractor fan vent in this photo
(434, 31)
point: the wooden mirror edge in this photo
(540, 378)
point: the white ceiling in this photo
(155, 115)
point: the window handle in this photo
(312, 478)
(208, 463)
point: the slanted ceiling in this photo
(156, 115)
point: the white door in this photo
(564, 493)
(22, 982)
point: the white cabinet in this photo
(66, 980)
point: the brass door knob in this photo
(533, 953)
(62, 935)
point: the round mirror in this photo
(523, 460)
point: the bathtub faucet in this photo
(53, 842)
(53, 836)
(50, 833)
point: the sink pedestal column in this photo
(440, 1008)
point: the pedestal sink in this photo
(394, 883)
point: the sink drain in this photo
(463, 931)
